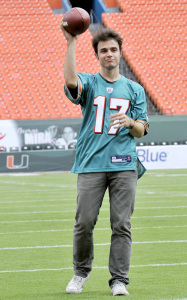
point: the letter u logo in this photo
(24, 162)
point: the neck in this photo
(110, 75)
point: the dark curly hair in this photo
(104, 35)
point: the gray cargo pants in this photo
(91, 189)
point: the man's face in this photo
(109, 54)
(68, 134)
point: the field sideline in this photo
(36, 221)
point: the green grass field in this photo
(36, 222)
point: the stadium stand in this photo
(31, 62)
(32, 51)
(154, 47)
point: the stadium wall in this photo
(49, 145)
(168, 129)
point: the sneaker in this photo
(119, 288)
(75, 286)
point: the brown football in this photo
(76, 20)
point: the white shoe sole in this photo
(121, 293)
(69, 291)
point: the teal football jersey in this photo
(100, 146)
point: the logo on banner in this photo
(2, 135)
(23, 165)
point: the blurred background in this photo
(39, 125)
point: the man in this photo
(114, 112)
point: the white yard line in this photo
(38, 212)
(73, 210)
(166, 175)
(164, 216)
(70, 220)
(175, 299)
(96, 229)
(33, 221)
(161, 195)
(99, 244)
(44, 200)
(161, 207)
(95, 267)
(145, 196)
(74, 199)
(22, 183)
(47, 205)
(73, 204)
(39, 190)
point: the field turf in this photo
(36, 221)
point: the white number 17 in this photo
(100, 102)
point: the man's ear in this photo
(96, 55)
(121, 54)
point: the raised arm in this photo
(70, 68)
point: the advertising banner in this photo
(152, 157)
(49, 145)
(163, 157)
(36, 161)
(39, 134)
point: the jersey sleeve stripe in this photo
(144, 123)
(71, 98)
(79, 90)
